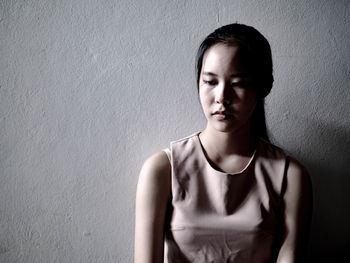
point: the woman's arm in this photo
(152, 195)
(297, 216)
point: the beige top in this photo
(219, 217)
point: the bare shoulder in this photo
(297, 175)
(155, 173)
(152, 195)
(157, 165)
(297, 213)
(298, 194)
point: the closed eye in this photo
(210, 82)
(243, 84)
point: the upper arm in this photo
(152, 195)
(297, 214)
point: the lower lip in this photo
(222, 117)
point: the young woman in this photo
(225, 194)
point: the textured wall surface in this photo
(89, 89)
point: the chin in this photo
(229, 127)
(225, 127)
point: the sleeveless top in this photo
(219, 217)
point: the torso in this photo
(220, 217)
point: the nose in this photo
(223, 94)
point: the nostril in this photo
(223, 101)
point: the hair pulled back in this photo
(257, 51)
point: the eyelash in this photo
(235, 84)
(209, 82)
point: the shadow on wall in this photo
(328, 162)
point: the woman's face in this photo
(225, 89)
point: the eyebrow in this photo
(237, 75)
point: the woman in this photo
(225, 194)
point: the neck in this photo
(223, 144)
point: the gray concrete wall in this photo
(89, 89)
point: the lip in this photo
(222, 115)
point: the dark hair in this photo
(257, 51)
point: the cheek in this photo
(248, 102)
(251, 104)
(202, 96)
(206, 93)
(205, 101)
(250, 97)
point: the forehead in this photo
(222, 59)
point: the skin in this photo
(225, 85)
(228, 99)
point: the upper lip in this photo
(223, 112)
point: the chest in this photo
(228, 228)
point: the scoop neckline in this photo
(252, 158)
